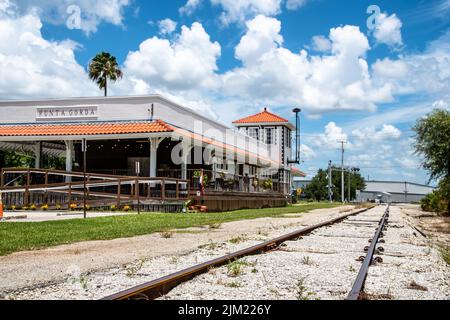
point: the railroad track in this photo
(160, 287)
(357, 291)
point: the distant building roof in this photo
(262, 117)
(297, 172)
(395, 187)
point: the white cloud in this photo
(441, 104)
(321, 44)
(388, 68)
(402, 114)
(263, 35)
(276, 75)
(329, 139)
(167, 26)
(307, 153)
(427, 72)
(241, 10)
(190, 7)
(188, 62)
(370, 135)
(408, 162)
(388, 30)
(92, 12)
(237, 11)
(295, 4)
(32, 66)
(357, 140)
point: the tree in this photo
(318, 188)
(15, 159)
(102, 68)
(432, 135)
(11, 159)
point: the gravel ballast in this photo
(322, 265)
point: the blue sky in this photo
(231, 58)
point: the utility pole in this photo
(342, 142)
(330, 181)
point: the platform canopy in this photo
(93, 130)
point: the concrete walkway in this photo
(41, 216)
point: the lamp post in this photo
(297, 137)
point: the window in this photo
(222, 166)
(269, 136)
(254, 133)
(288, 138)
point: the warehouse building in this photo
(393, 191)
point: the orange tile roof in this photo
(297, 172)
(81, 129)
(262, 117)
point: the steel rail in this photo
(358, 286)
(160, 287)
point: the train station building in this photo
(152, 137)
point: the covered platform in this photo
(159, 152)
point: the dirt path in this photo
(33, 269)
(434, 227)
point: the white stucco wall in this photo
(135, 109)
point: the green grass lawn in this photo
(23, 236)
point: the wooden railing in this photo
(27, 187)
(226, 182)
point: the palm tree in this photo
(103, 67)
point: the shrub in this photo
(44, 207)
(33, 207)
(434, 202)
(126, 208)
(73, 206)
(113, 208)
(268, 184)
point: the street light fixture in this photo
(297, 137)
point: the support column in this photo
(38, 155)
(69, 158)
(185, 160)
(154, 144)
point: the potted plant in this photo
(33, 207)
(126, 208)
(267, 185)
(113, 208)
(44, 207)
(73, 207)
